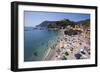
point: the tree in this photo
(63, 23)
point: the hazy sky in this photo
(31, 18)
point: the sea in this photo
(37, 42)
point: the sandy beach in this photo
(70, 47)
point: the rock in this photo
(35, 53)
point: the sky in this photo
(33, 18)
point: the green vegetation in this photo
(52, 26)
(85, 23)
(65, 22)
(60, 24)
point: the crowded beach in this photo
(69, 47)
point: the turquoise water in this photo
(36, 43)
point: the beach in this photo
(70, 47)
(56, 36)
(56, 45)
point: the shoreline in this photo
(76, 50)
